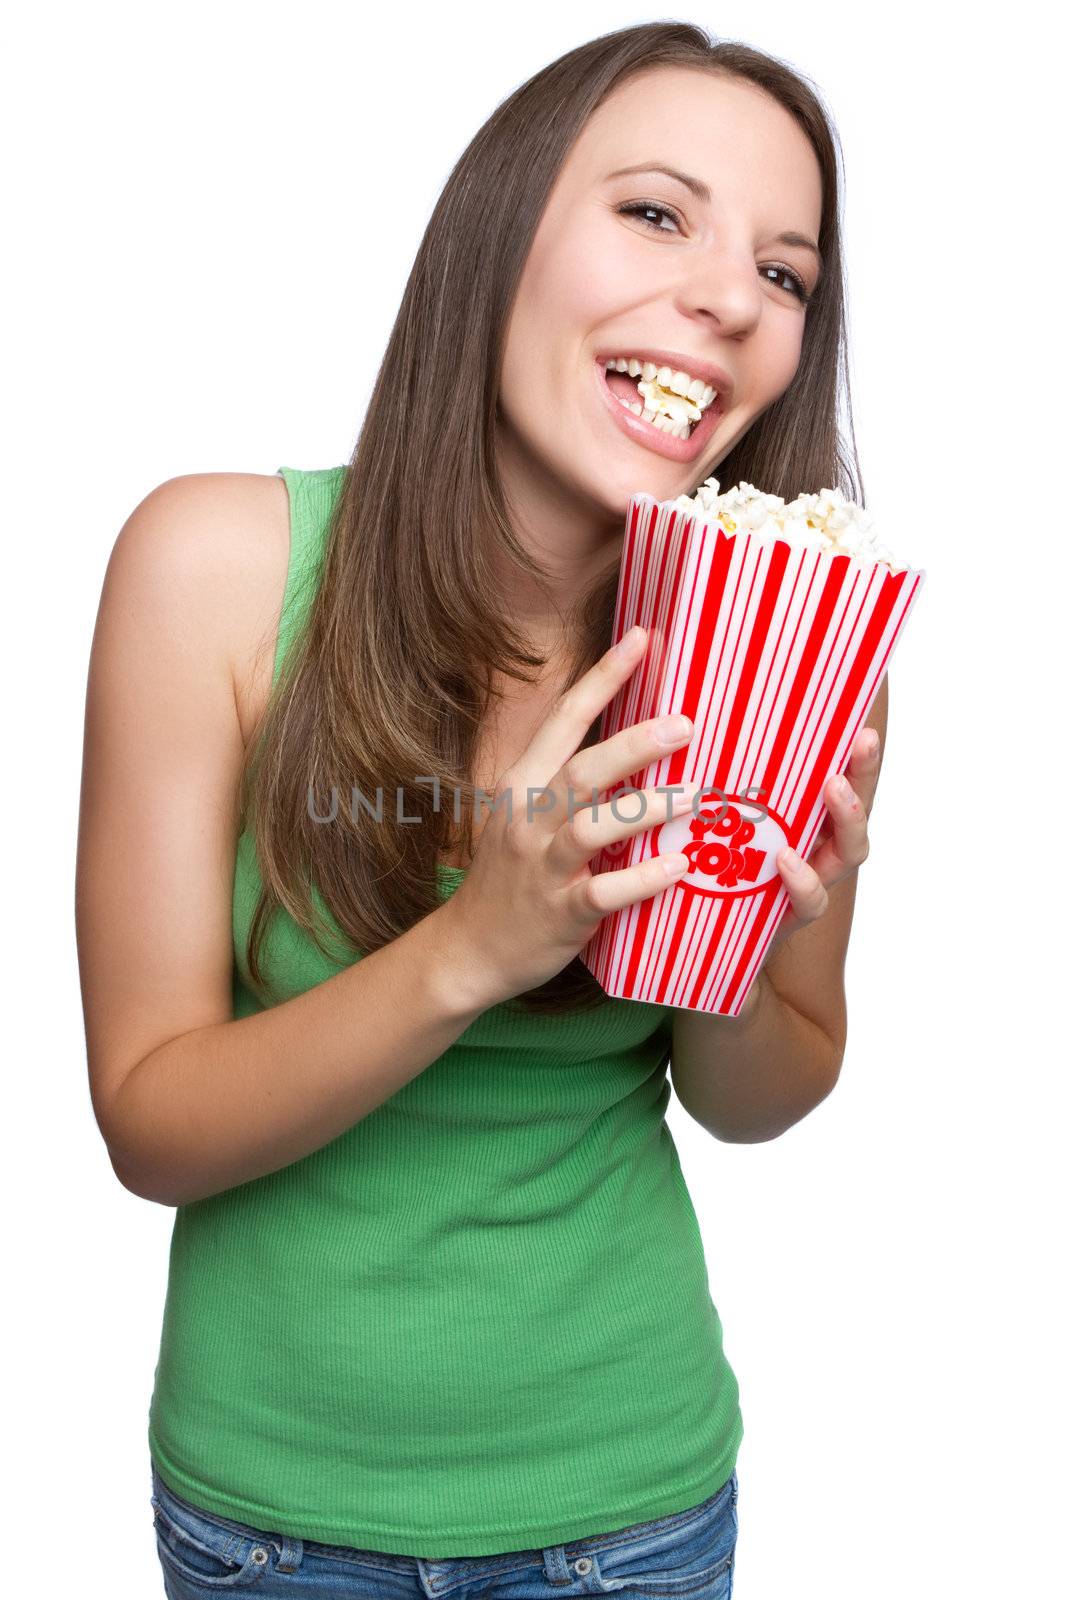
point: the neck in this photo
(573, 539)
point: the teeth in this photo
(672, 412)
(666, 386)
(677, 430)
(660, 420)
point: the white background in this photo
(213, 211)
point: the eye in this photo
(799, 291)
(635, 208)
(640, 210)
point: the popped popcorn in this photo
(825, 521)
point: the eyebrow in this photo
(697, 187)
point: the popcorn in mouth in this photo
(672, 401)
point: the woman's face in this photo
(641, 266)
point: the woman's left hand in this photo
(841, 845)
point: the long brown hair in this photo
(389, 682)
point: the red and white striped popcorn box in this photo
(775, 652)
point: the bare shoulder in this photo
(189, 588)
(220, 542)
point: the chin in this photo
(661, 479)
(615, 497)
(609, 493)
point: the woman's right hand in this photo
(529, 901)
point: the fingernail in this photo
(670, 729)
(629, 642)
(674, 864)
(843, 788)
(872, 750)
(790, 857)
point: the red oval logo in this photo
(731, 842)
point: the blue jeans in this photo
(688, 1554)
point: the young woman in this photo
(438, 1318)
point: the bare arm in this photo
(231, 1101)
(189, 1101)
(748, 1078)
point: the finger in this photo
(807, 892)
(569, 719)
(591, 773)
(590, 828)
(869, 746)
(605, 892)
(850, 842)
(599, 767)
(863, 764)
(588, 777)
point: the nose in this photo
(722, 285)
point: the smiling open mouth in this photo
(662, 409)
(669, 400)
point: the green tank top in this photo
(479, 1320)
